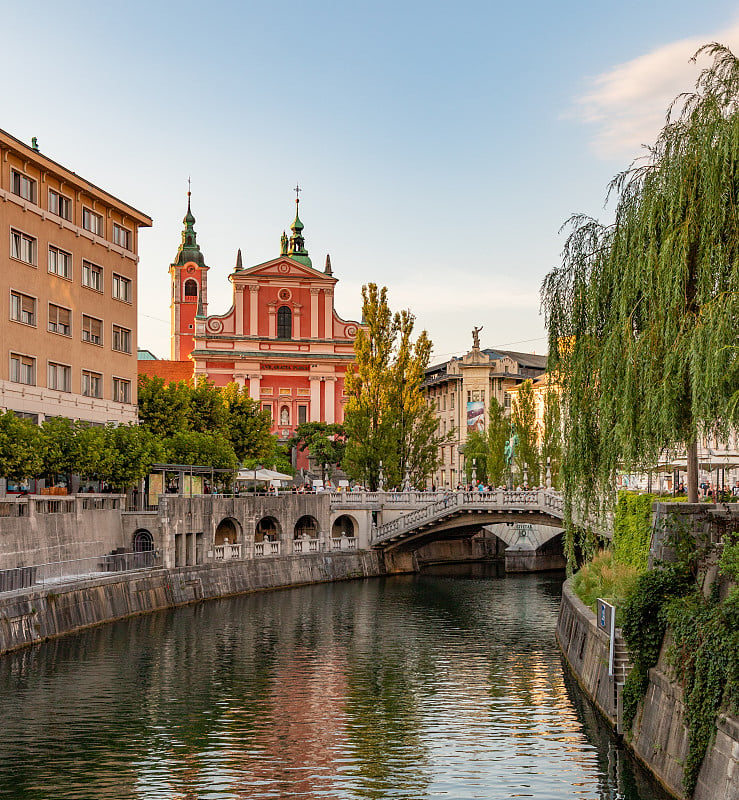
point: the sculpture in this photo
(476, 337)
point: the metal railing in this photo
(59, 572)
(499, 500)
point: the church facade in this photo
(281, 338)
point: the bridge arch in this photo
(268, 529)
(307, 525)
(344, 525)
(228, 528)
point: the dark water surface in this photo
(443, 685)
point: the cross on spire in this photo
(297, 191)
(188, 186)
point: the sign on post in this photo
(606, 621)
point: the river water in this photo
(441, 685)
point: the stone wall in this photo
(30, 616)
(658, 737)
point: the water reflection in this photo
(446, 684)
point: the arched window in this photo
(284, 323)
(191, 288)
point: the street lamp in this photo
(381, 480)
(474, 472)
(549, 473)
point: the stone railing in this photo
(544, 500)
(32, 504)
(227, 551)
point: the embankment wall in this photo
(658, 738)
(33, 615)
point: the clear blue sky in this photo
(440, 146)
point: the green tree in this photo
(524, 421)
(476, 455)
(93, 457)
(497, 435)
(551, 447)
(248, 426)
(207, 409)
(57, 441)
(201, 449)
(20, 447)
(387, 418)
(133, 450)
(163, 407)
(324, 442)
(642, 313)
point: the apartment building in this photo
(461, 390)
(68, 264)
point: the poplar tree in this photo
(551, 446)
(524, 421)
(387, 417)
(643, 313)
(497, 435)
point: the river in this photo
(446, 684)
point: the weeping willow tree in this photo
(643, 314)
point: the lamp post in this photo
(549, 473)
(381, 480)
(474, 472)
(525, 475)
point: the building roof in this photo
(166, 370)
(524, 359)
(146, 355)
(35, 155)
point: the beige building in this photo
(68, 260)
(461, 390)
(540, 388)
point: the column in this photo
(315, 398)
(253, 309)
(254, 386)
(329, 394)
(297, 314)
(314, 313)
(272, 316)
(239, 299)
(328, 331)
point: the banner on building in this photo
(475, 416)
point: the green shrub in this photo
(604, 577)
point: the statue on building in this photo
(476, 337)
(284, 416)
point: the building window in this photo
(92, 330)
(452, 401)
(267, 408)
(121, 339)
(121, 390)
(121, 237)
(23, 247)
(92, 222)
(23, 186)
(60, 205)
(191, 288)
(22, 369)
(60, 262)
(302, 414)
(60, 320)
(59, 377)
(284, 323)
(92, 276)
(92, 384)
(23, 308)
(121, 288)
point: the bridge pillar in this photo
(398, 562)
(532, 561)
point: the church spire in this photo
(328, 269)
(189, 249)
(296, 249)
(239, 262)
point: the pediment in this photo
(284, 267)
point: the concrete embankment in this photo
(32, 615)
(658, 738)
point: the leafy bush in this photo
(632, 527)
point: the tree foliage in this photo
(205, 449)
(20, 447)
(497, 435)
(324, 441)
(642, 313)
(524, 421)
(387, 418)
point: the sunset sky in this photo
(439, 146)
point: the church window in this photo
(191, 288)
(302, 414)
(284, 323)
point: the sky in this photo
(439, 147)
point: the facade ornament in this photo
(476, 337)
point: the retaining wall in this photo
(658, 736)
(30, 616)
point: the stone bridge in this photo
(526, 521)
